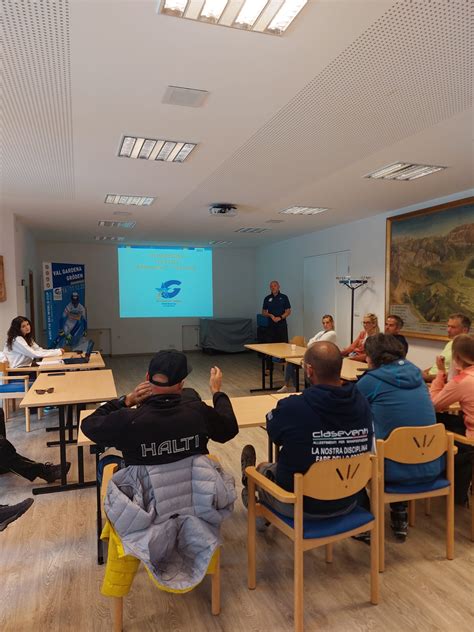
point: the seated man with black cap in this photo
(170, 422)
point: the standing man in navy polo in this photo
(277, 308)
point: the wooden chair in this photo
(325, 480)
(13, 388)
(298, 340)
(413, 445)
(468, 441)
(214, 568)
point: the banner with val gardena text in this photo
(66, 315)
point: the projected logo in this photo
(168, 289)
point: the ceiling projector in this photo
(223, 209)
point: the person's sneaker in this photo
(9, 513)
(247, 458)
(399, 524)
(362, 537)
(52, 472)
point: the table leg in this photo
(70, 423)
(297, 373)
(264, 386)
(64, 486)
(270, 450)
(100, 544)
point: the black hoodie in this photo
(164, 429)
(325, 422)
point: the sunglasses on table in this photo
(42, 391)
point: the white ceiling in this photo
(294, 120)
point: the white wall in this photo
(234, 294)
(17, 247)
(365, 239)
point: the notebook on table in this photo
(83, 360)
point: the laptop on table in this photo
(83, 360)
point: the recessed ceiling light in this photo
(217, 242)
(403, 171)
(122, 213)
(263, 16)
(112, 223)
(303, 210)
(129, 200)
(108, 238)
(152, 149)
(251, 230)
(275, 221)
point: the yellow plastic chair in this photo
(13, 387)
(466, 441)
(414, 445)
(325, 480)
(129, 565)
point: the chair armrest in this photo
(269, 486)
(462, 439)
(14, 377)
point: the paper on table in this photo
(48, 362)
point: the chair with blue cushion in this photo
(416, 445)
(13, 388)
(325, 480)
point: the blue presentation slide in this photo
(164, 282)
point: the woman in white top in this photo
(20, 348)
(327, 334)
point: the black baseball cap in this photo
(173, 364)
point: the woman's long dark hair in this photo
(15, 331)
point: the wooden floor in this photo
(50, 580)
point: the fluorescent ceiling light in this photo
(249, 13)
(185, 151)
(264, 16)
(108, 238)
(403, 171)
(251, 230)
(174, 7)
(213, 9)
(112, 223)
(146, 149)
(303, 210)
(152, 149)
(165, 151)
(135, 200)
(137, 147)
(217, 242)
(127, 146)
(285, 16)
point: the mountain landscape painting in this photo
(430, 267)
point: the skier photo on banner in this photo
(73, 322)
